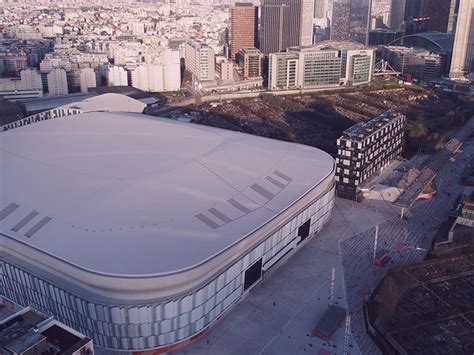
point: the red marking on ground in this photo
(176, 346)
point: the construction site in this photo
(319, 119)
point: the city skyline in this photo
(220, 177)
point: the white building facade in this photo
(57, 82)
(87, 78)
(28, 86)
(200, 61)
(117, 76)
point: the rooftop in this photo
(432, 41)
(330, 45)
(27, 329)
(107, 102)
(365, 129)
(45, 103)
(116, 184)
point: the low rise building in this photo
(415, 62)
(250, 60)
(327, 64)
(24, 331)
(27, 86)
(365, 149)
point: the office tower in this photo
(57, 82)
(116, 76)
(243, 27)
(365, 149)
(463, 51)
(87, 78)
(321, 9)
(350, 20)
(200, 61)
(359, 23)
(437, 14)
(397, 14)
(412, 9)
(453, 16)
(250, 59)
(286, 23)
(341, 20)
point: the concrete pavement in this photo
(279, 315)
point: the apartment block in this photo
(365, 149)
(57, 82)
(117, 76)
(200, 61)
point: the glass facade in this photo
(152, 325)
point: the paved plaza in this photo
(280, 314)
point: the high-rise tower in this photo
(243, 27)
(350, 20)
(463, 51)
(286, 23)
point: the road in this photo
(401, 238)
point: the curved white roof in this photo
(107, 102)
(125, 194)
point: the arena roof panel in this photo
(121, 193)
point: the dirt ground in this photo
(319, 119)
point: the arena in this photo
(141, 232)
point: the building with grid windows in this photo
(250, 60)
(328, 64)
(365, 149)
(284, 24)
(200, 61)
(243, 27)
(141, 232)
